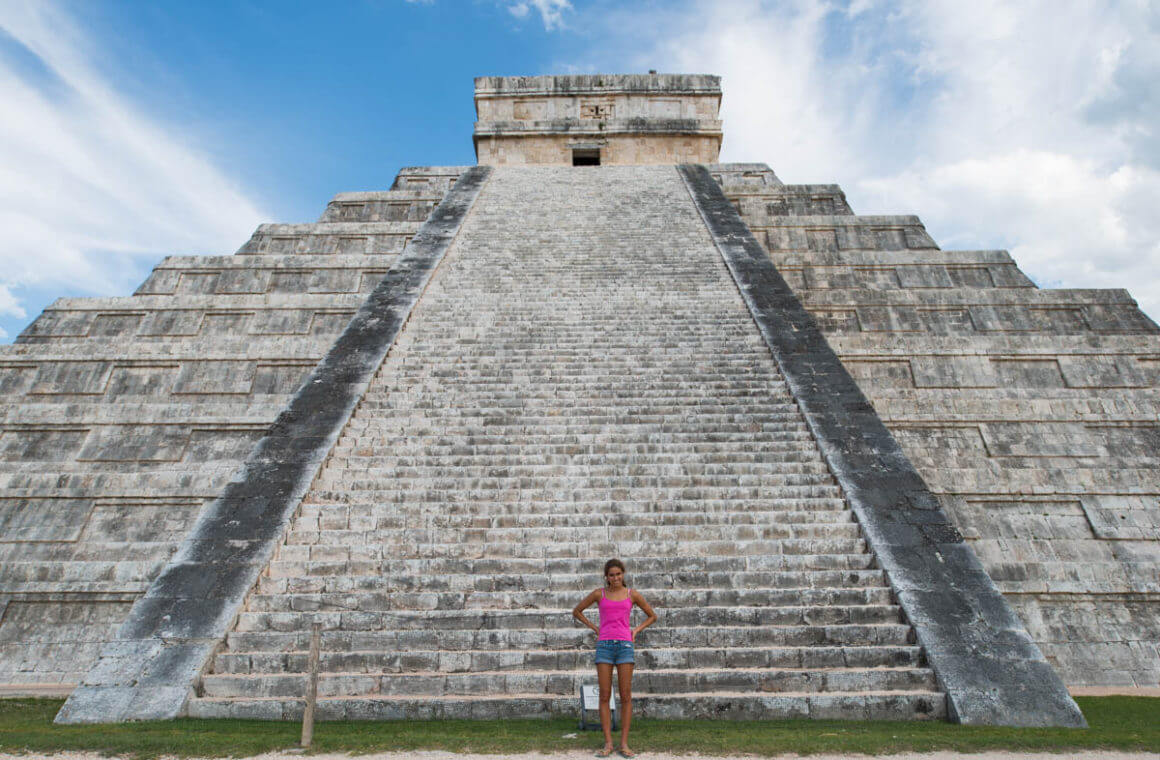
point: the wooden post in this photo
(311, 686)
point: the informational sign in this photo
(590, 698)
(590, 703)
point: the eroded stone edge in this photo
(173, 630)
(991, 670)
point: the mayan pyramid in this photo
(858, 476)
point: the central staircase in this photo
(581, 380)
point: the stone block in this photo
(135, 443)
(953, 372)
(141, 381)
(172, 323)
(40, 445)
(215, 377)
(1040, 440)
(71, 378)
(43, 519)
(197, 283)
(1028, 373)
(283, 322)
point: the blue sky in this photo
(134, 130)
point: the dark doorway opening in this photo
(586, 157)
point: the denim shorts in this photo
(614, 652)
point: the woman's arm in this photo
(585, 603)
(641, 602)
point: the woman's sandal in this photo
(626, 753)
(604, 752)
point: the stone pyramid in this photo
(857, 475)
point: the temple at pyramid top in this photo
(594, 119)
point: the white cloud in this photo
(551, 11)
(92, 191)
(1066, 221)
(1031, 126)
(10, 306)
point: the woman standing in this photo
(614, 646)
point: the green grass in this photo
(1125, 723)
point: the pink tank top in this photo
(614, 618)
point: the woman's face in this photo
(615, 577)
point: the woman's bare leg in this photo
(604, 678)
(624, 686)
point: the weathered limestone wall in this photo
(604, 104)
(123, 417)
(629, 119)
(1031, 413)
(556, 150)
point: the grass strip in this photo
(1122, 723)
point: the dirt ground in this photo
(645, 755)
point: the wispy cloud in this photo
(11, 306)
(551, 11)
(92, 190)
(997, 122)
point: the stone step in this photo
(225, 302)
(474, 357)
(444, 661)
(353, 469)
(713, 363)
(279, 348)
(552, 397)
(338, 238)
(25, 576)
(181, 275)
(382, 206)
(788, 420)
(80, 410)
(593, 449)
(598, 547)
(589, 455)
(213, 262)
(694, 348)
(560, 618)
(584, 374)
(752, 403)
(315, 517)
(527, 492)
(549, 483)
(82, 551)
(568, 535)
(527, 581)
(296, 561)
(856, 635)
(379, 601)
(615, 513)
(690, 346)
(480, 390)
(568, 682)
(423, 439)
(54, 589)
(891, 705)
(652, 385)
(612, 453)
